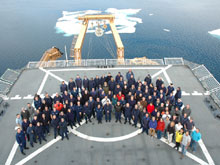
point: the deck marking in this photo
(161, 71)
(166, 75)
(42, 83)
(193, 157)
(185, 93)
(17, 97)
(207, 93)
(53, 75)
(195, 93)
(100, 139)
(12, 153)
(206, 153)
(28, 97)
(15, 147)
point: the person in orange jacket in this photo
(58, 106)
(160, 128)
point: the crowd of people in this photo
(155, 108)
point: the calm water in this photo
(27, 30)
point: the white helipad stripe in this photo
(206, 153)
(185, 93)
(106, 69)
(53, 75)
(12, 153)
(42, 83)
(207, 93)
(41, 96)
(195, 93)
(161, 71)
(195, 158)
(166, 75)
(17, 97)
(100, 139)
(28, 97)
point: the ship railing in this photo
(95, 62)
(174, 61)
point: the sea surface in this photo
(168, 28)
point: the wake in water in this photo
(215, 33)
(69, 25)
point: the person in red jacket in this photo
(160, 128)
(58, 106)
(119, 96)
(150, 108)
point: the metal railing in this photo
(174, 61)
(94, 62)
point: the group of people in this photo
(155, 108)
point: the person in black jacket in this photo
(55, 125)
(39, 132)
(63, 128)
(86, 83)
(45, 124)
(118, 110)
(63, 87)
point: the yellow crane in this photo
(81, 36)
(51, 54)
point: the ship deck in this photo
(108, 143)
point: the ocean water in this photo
(160, 28)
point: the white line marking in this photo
(28, 97)
(195, 158)
(41, 96)
(12, 153)
(17, 97)
(35, 153)
(161, 71)
(6, 98)
(106, 69)
(42, 83)
(100, 139)
(206, 153)
(185, 93)
(53, 75)
(207, 93)
(195, 93)
(14, 148)
(166, 75)
(53, 95)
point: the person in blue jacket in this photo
(108, 111)
(145, 123)
(128, 109)
(196, 136)
(99, 113)
(87, 111)
(152, 126)
(20, 138)
(135, 114)
(79, 112)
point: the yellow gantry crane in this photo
(81, 36)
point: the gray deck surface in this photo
(137, 150)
